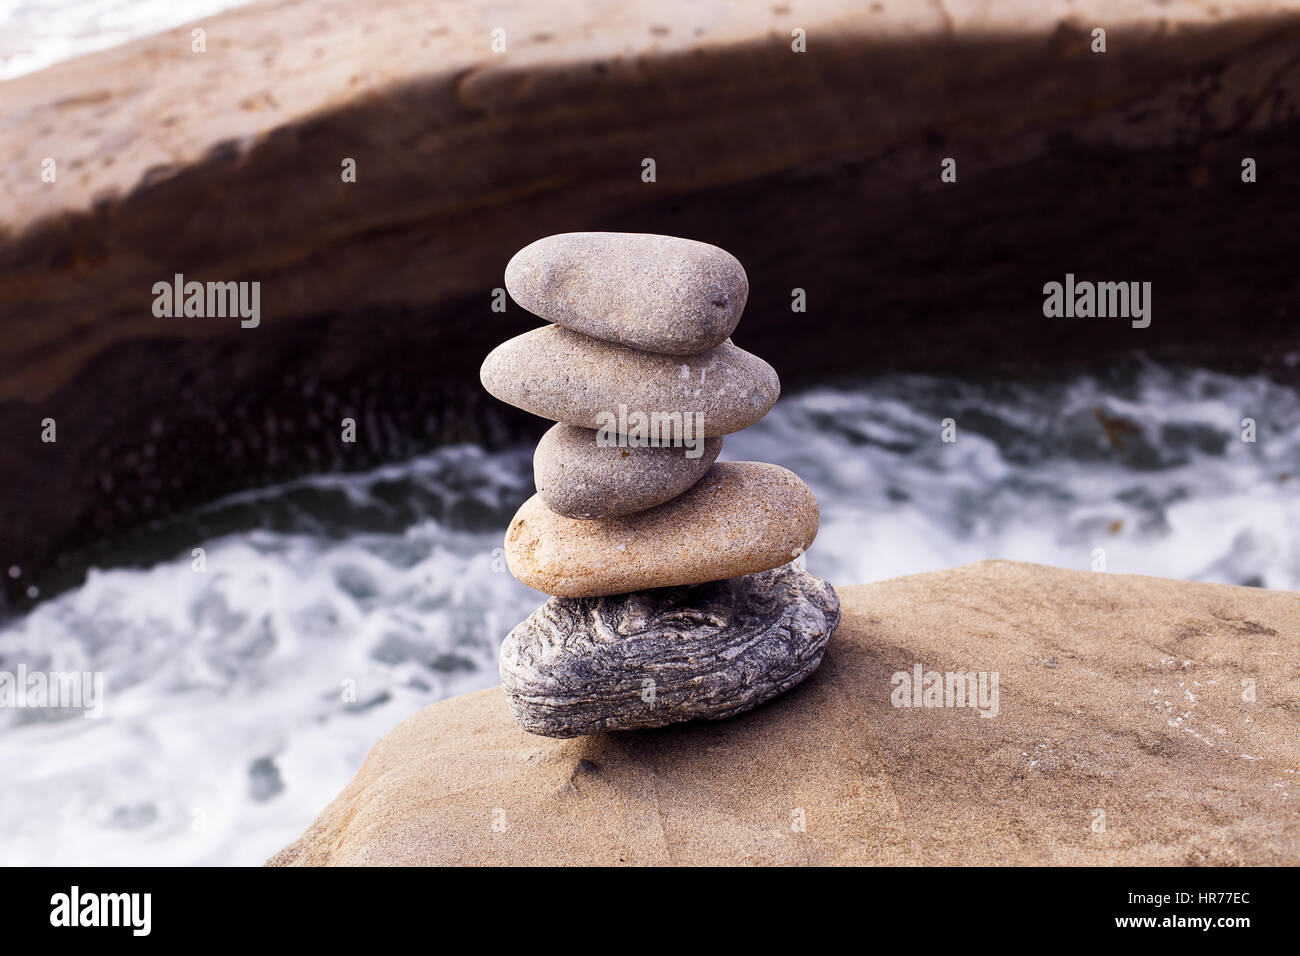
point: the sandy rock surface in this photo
(1119, 695)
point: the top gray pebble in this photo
(654, 293)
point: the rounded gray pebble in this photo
(575, 379)
(656, 293)
(578, 478)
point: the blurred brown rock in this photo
(818, 170)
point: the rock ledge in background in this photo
(819, 171)
(1117, 693)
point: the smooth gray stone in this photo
(573, 378)
(578, 478)
(652, 658)
(656, 293)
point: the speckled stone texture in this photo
(740, 518)
(572, 378)
(657, 293)
(1091, 666)
(659, 657)
(578, 478)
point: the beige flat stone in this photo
(1095, 671)
(576, 379)
(740, 518)
(656, 293)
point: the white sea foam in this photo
(225, 729)
(37, 33)
(1033, 476)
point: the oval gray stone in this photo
(656, 293)
(572, 378)
(579, 478)
(658, 657)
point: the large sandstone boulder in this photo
(1122, 736)
(818, 170)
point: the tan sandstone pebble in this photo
(657, 293)
(572, 378)
(580, 478)
(740, 518)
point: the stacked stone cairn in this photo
(678, 589)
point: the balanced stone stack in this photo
(677, 589)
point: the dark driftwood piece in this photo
(658, 657)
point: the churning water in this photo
(240, 700)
